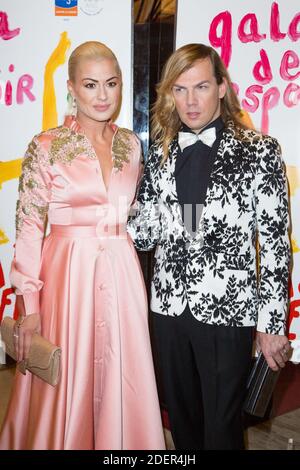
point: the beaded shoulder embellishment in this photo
(67, 145)
(30, 186)
(121, 148)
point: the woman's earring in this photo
(74, 107)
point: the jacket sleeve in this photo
(144, 224)
(140, 173)
(31, 214)
(272, 212)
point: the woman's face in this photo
(97, 89)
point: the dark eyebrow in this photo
(112, 78)
(91, 79)
(179, 86)
(197, 84)
(96, 81)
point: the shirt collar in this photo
(71, 122)
(217, 123)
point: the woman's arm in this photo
(31, 214)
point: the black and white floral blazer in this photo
(218, 271)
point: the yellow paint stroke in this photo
(10, 170)
(3, 237)
(247, 119)
(57, 58)
(293, 175)
(295, 247)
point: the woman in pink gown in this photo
(82, 284)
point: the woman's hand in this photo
(24, 330)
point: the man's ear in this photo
(223, 88)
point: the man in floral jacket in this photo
(213, 200)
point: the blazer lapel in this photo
(222, 159)
(173, 199)
(224, 162)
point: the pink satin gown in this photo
(86, 281)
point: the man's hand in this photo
(275, 348)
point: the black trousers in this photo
(202, 370)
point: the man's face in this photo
(197, 95)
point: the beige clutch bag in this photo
(44, 357)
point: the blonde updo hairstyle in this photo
(90, 50)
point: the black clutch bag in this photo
(260, 386)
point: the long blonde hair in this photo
(165, 119)
(90, 50)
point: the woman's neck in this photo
(94, 130)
